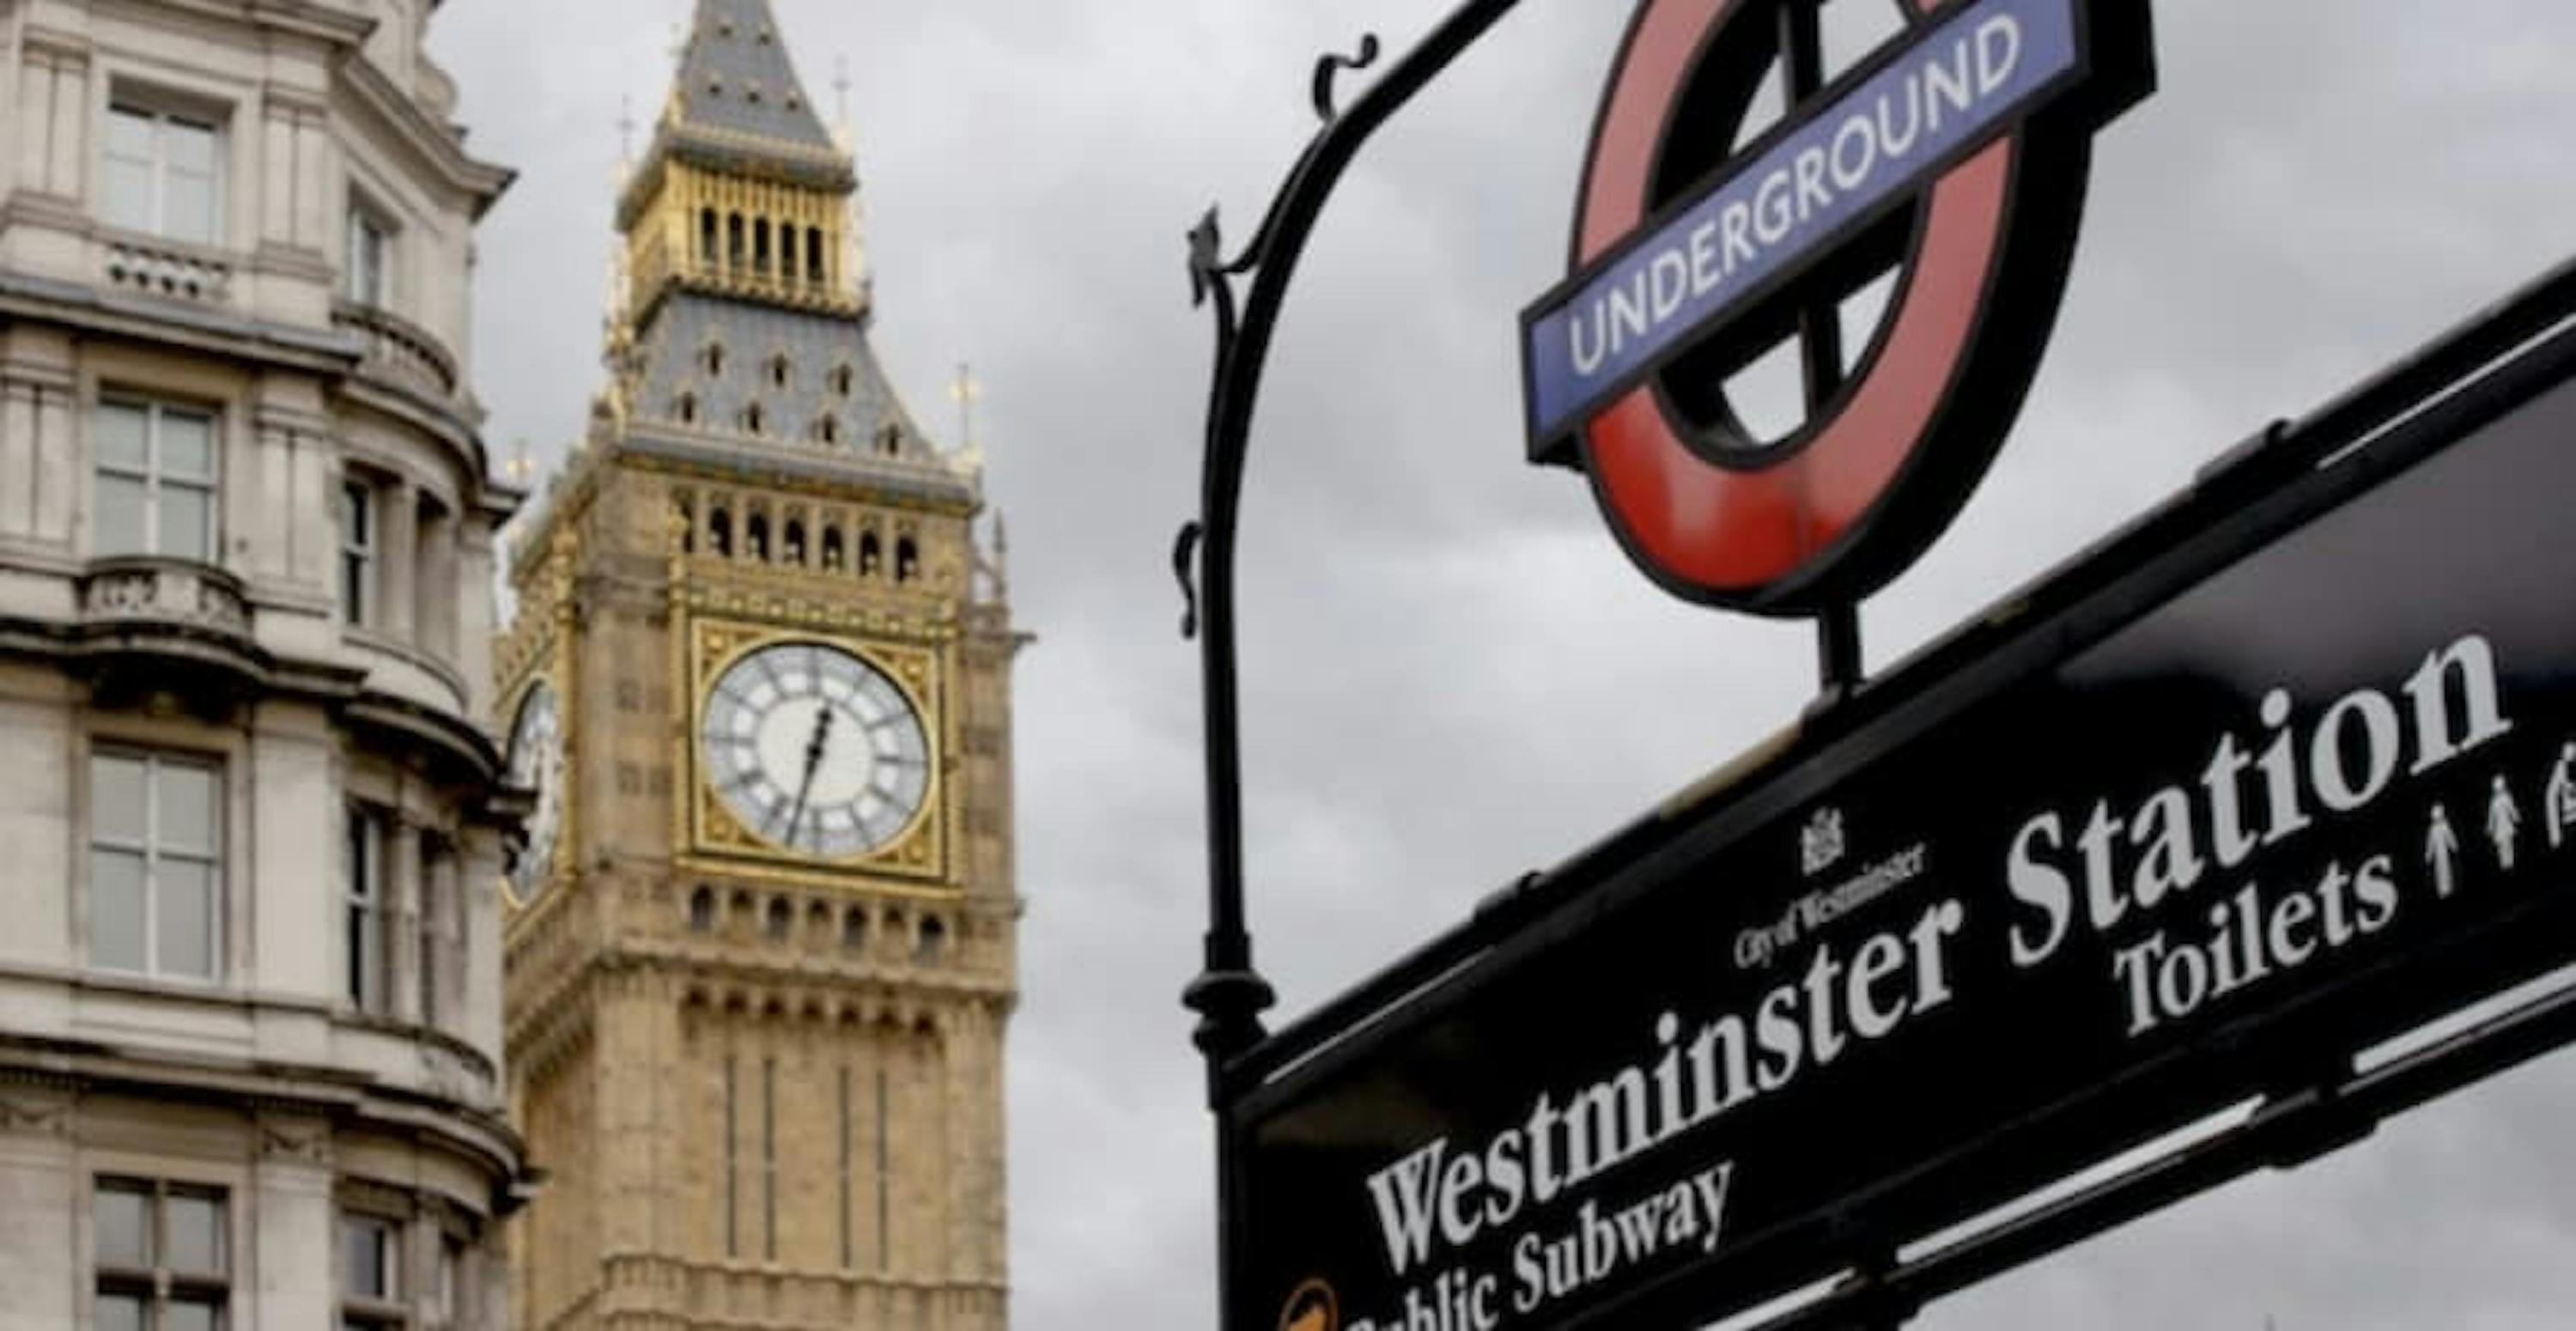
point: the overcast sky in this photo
(1452, 674)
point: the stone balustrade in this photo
(145, 590)
(168, 270)
(398, 349)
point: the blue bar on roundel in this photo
(1870, 147)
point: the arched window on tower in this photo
(685, 411)
(733, 243)
(755, 420)
(843, 380)
(869, 556)
(707, 237)
(782, 918)
(687, 512)
(814, 255)
(854, 929)
(890, 440)
(760, 246)
(780, 370)
(720, 531)
(833, 553)
(827, 429)
(702, 910)
(713, 359)
(907, 560)
(787, 252)
(792, 542)
(933, 940)
(755, 537)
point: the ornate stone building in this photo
(250, 985)
(763, 948)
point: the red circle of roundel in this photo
(1886, 462)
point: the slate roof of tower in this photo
(735, 77)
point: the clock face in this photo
(536, 763)
(815, 749)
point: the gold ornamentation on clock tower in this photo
(763, 945)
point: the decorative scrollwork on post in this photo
(1330, 68)
(1185, 553)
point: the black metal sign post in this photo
(1229, 995)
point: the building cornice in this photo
(338, 355)
(342, 1094)
(101, 642)
(170, 323)
(438, 145)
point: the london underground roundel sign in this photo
(1945, 169)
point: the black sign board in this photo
(2267, 794)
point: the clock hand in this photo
(813, 759)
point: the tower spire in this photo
(967, 393)
(844, 131)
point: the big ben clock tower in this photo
(763, 950)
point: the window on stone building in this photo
(163, 1259)
(907, 560)
(833, 553)
(755, 420)
(827, 429)
(733, 1160)
(843, 380)
(357, 550)
(782, 917)
(780, 371)
(791, 547)
(434, 605)
(686, 409)
(755, 537)
(713, 358)
(702, 910)
(163, 172)
(156, 480)
(155, 868)
(854, 929)
(769, 1158)
(933, 941)
(368, 278)
(365, 903)
(870, 554)
(371, 1273)
(720, 532)
(814, 258)
(849, 1247)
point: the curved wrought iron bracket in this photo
(1229, 995)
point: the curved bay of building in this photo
(250, 1026)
